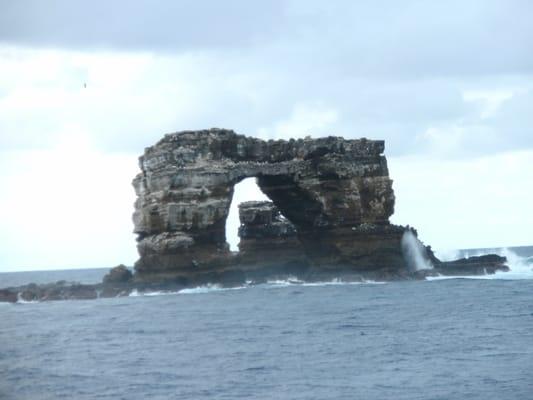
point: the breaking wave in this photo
(20, 300)
(195, 290)
(209, 289)
(269, 284)
(136, 293)
(297, 282)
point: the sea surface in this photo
(458, 338)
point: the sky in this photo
(447, 85)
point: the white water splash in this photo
(136, 293)
(334, 282)
(272, 284)
(519, 267)
(414, 252)
(209, 288)
(20, 300)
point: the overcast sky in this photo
(448, 86)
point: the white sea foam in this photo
(334, 282)
(209, 289)
(195, 290)
(20, 300)
(136, 293)
(284, 282)
(269, 284)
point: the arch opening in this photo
(245, 190)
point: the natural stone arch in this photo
(186, 186)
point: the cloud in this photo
(138, 25)
(424, 76)
(504, 122)
(345, 38)
(305, 120)
(131, 99)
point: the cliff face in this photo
(329, 218)
(335, 192)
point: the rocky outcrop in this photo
(269, 243)
(475, 265)
(8, 296)
(61, 290)
(335, 196)
(118, 275)
(337, 193)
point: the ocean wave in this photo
(194, 290)
(336, 282)
(209, 289)
(333, 282)
(136, 293)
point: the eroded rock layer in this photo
(335, 196)
(268, 242)
(328, 188)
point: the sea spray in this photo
(414, 252)
(519, 267)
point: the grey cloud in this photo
(383, 38)
(390, 69)
(139, 24)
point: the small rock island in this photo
(328, 218)
(331, 200)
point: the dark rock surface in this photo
(335, 196)
(118, 275)
(8, 296)
(476, 265)
(337, 193)
(269, 244)
(56, 291)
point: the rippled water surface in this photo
(445, 339)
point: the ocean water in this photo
(438, 339)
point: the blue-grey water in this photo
(439, 339)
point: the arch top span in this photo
(185, 188)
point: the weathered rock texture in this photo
(268, 241)
(336, 192)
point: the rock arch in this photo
(336, 192)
